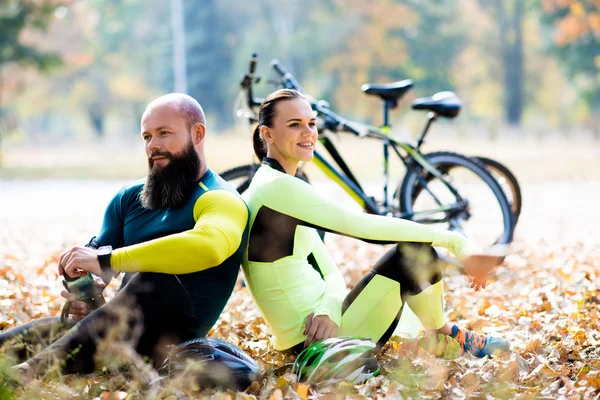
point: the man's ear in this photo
(266, 134)
(198, 133)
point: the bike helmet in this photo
(337, 359)
(218, 363)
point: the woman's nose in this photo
(309, 131)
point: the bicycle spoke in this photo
(484, 217)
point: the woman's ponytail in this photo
(258, 144)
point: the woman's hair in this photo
(268, 110)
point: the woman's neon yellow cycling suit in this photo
(290, 273)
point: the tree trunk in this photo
(97, 119)
(514, 108)
(596, 113)
(511, 46)
(179, 63)
(2, 129)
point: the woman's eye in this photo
(294, 125)
(312, 124)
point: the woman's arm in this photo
(293, 197)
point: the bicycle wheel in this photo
(240, 177)
(508, 182)
(477, 208)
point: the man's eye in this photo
(164, 133)
(146, 137)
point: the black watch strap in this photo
(104, 253)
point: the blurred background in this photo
(83, 71)
(75, 77)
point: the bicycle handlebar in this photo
(333, 122)
(288, 79)
(253, 61)
(247, 81)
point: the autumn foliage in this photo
(544, 299)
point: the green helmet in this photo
(337, 359)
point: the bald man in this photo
(178, 236)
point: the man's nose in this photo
(153, 144)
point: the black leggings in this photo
(150, 312)
(414, 266)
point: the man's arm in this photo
(221, 219)
(111, 233)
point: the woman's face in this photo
(293, 134)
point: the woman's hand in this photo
(478, 266)
(319, 328)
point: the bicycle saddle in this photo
(388, 91)
(446, 104)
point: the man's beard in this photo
(171, 185)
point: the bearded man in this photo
(178, 236)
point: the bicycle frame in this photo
(343, 176)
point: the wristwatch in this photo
(104, 253)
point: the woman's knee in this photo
(410, 264)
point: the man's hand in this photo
(78, 261)
(478, 266)
(79, 310)
(319, 328)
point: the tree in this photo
(380, 47)
(209, 55)
(574, 37)
(510, 21)
(15, 17)
(509, 15)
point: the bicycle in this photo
(429, 192)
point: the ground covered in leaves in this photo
(544, 299)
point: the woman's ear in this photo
(198, 133)
(266, 133)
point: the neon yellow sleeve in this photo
(220, 219)
(296, 198)
(335, 286)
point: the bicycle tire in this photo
(446, 162)
(244, 172)
(509, 184)
(507, 181)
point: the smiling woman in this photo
(296, 124)
(294, 282)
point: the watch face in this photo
(104, 250)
